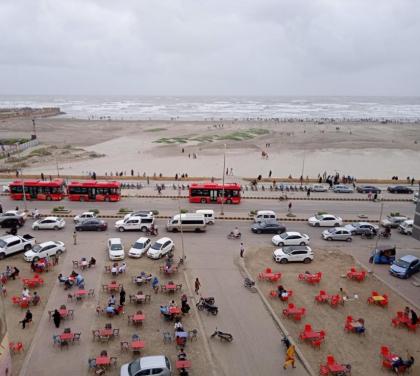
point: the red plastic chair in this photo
(386, 364)
(330, 360)
(322, 297)
(308, 328)
(268, 270)
(316, 343)
(384, 302)
(290, 306)
(374, 293)
(352, 270)
(385, 351)
(323, 370)
(335, 300)
(322, 334)
(298, 316)
(24, 304)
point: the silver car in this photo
(340, 188)
(337, 233)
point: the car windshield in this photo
(2, 243)
(156, 246)
(138, 245)
(330, 230)
(354, 224)
(403, 264)
(284, 235)
(134, 367)
(36, 248)
(319, 217)
(116, 247)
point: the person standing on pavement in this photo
(290, 357)
(197, 285)
(56, 318)
(74, 237)
(308, 192)
(242, 250)
(122, 296)
(290, 207)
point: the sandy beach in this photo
(363, 150)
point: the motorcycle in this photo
(368, 235)
(203, 304)
(152, 232)
(222, 335)
(385, 234)
(250, 284)
(233, 236)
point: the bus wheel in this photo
(228, 202)
(106, 199)
(203, 201)
(48, 198)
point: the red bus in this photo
(53, 190)
(93, 190)
(211, 192)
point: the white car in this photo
(140, 246)
(42, 250)
(325, 220)
(135, 224)
(140, 213)
(115, 249)
(293, 253)
(49, 223)
(81, 217)
(318, 188)
(160, 248)
(15, 213)
(290, 238)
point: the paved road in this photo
(168, 206)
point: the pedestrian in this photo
(122, 296)
(42, 176)
(290, 357)
(1, 209)
(74, 237)
(242, 250)
(56, 318)
(308, 192)
(290, 207)
(231, 171)
(132, 172)
(27, 319)
(269, 174)
(369, 196)
(197, 285)
(227, 171)
(412, 181)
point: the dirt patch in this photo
(151, 331)
(361, 351)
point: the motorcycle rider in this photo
(35, 214)
(235, 233)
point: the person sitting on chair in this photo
(35, 299)
(281, 292)
(182, 355)
(92, 262)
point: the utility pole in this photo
(223, 179)
(182, 232)
(23, 191)
(380, 219)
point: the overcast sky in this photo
(213, 47)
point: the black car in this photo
(268, 228)
(368, 189)
(11, 222)
(399, 189)
(92, 224)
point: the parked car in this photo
(49, 223)
(393, 221)
(416, 197)
(92, 224)
(399, 189)
(134, 224)
(367, 189)
(293, 253)
(290, 238)
(340, 188)
(86, 215)
(265, 215)
(140, 213)
(160, 248)
(10, 244)
(157, 365)
(362, 228)
(15, 213)
(318, 188)
(140, 246)
(406, 227)
(405, 266)
(268, 227)
(337, 233)
(325, 220)
(115, 249)
(50, 248)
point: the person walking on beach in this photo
(74, 237)
(197, 285)
(242, 250)
(269, 174)
(290, 357)
(56, 318)
(290, 207)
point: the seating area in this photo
(334, 368)
(294, 312)
(355, 326)
(315, 338)
(269, 275)
(333, 300)
(377, 299)
(310, 278)
(31, 283)
(403, 320)
(355, 275)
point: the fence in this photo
(7, 150)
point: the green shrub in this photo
(96, 211)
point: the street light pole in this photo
(223, 179)
(182, 232)
(303, 166)
(23, 191)
(380, 219)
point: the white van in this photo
(188, 222)
(208, 215)
(265, 215)
(406, 227)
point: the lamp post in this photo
(182, 232)
(23, 191)
(223, 179)
(380, 219)
(303, 166)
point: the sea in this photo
(216, 108)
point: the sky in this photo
(213, 47)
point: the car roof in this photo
(50, 242)
(154, 361)
(409, 258)
(115, 240)
(163, 240)
(142, 239)
(88, 212)
(292, 233)
(339, 228)
(297, 247)
(51, 218)
(9, 238)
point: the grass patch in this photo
(41, 152)
(96, 211)
(125, 210)
(13, 141)
(95, 155)
(155, 129)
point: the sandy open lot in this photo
(362, 352)
(357, 149)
